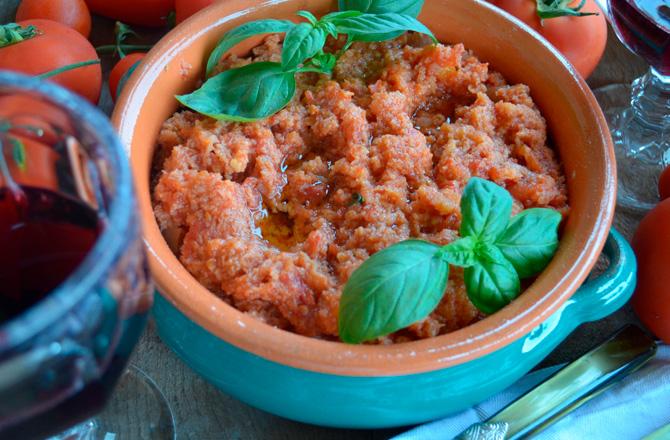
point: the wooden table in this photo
(203, 413)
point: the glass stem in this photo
(650, 100)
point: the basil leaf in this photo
(303, 41)
(407, 7)
(327, 22)
(339, 14)
(307, 15)
(485, 209)
(530, 240)
(329, 28)
(460, 253)
(392, 289)
(244, 94)
(492, 283)
(321, 62)
(378, 27)
(242, 32)
(18, 153)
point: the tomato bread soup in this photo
(274, 215)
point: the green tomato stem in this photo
(12, 33)
(19, 153)
(67, 68)
(560, 8)
(110, 48)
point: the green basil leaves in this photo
(491, 282)
(250, 93)
(254, 91)
(460, 253)
(392, 289)
(485, 209)
(406, 7)
(530, 240)
(379, 27)
(303, 41)
(403, 283)
(241, 33)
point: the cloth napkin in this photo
(631, 409)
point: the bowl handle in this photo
(610, 290)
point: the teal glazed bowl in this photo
(366, 386)
(386, 401)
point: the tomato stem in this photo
(73, 66)
(12, 33)
(122, 48)
(122, 31)
(171, 19)
(560, 8)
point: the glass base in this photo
(137, 410)
(641, 151)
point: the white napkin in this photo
(631, 409)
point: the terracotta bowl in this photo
(335, 384)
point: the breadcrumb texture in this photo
(273, 216)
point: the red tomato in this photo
(664, 184)
(121, 70)
(71, 13)
(51, 121)
(581, 40)
(651, 242)
(141, 12)
(40, 166)
(33, 112)
(186, 8)
(56, 46)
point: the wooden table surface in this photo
(202, 412)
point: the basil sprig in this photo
(404, 283)
(249, 93)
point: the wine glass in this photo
(639, 113)
(74, 285)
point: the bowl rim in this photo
(247, 333)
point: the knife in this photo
(569, 388)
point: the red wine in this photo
(44, 236)
(76, 409)
(644, 26)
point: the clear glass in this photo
(63, 353)
(639, 113)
